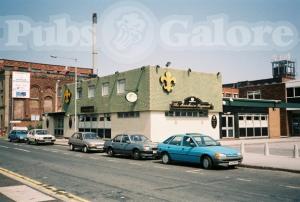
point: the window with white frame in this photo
(254, 94)
(105, 89)
(121, 86)
(91, 91)
(79, 93)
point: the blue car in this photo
(17, 136)
(198, 148)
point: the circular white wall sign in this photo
(131, 97)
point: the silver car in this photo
(136, 145)
(86, 141)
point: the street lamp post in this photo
(75, 88)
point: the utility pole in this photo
(94, 20)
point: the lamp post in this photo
(75, 87)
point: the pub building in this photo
(154, 101)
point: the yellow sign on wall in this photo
(168, 81)
(67, 96)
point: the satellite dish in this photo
(131, 97)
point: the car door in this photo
(12, 135)
(174, 147)
(125, 145)
(188, 150)
(73, 138)
(116, 143)
(79, 140)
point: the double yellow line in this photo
(47, 189)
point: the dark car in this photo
(86, 141)
(198, 148)
(17, 135)
(135, 145)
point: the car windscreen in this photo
(205, 141)
(21, 132)
(138, 138)
(41, 132)
(90, 136)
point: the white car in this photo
(40, 136)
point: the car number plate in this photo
(99, 147)
(154, 152)
(233, 163)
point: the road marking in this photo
(161, 167)
(66, 153)
(21, 149)
(245, 180)
(137, 164)
(4, 146)
(16, 144)
(79, 155)
(91, 157)
(290, 186)
(111, 160)
(194, 171)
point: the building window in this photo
(23, 69)
(79, 93)
(128, 114)
(254, 95)
(105, 89)
(228, 95)
(91, 91)
(8, 68)
(186, 113)
(59, 92)
(121, 86)
(297, 92)
(290, 92)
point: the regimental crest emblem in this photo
(168, 82)
(67, 96)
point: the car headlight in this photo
(146, 148)
(220, 156)
(239, 154)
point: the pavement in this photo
(97, 177)
(280, 158)
(13, 190)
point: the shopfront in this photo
(157, 102)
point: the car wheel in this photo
(85, 149)
(71, 147)
(206, 162)
(36, 142)
(27, 141)
(110, 152)
(166, 158)
(136, 154)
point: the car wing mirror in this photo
(128, 141)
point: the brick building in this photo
(46, 82)
(276, 89)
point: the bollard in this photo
(296, 152)
(242, 148)
(267, 153)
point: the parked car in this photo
(17, 135)
(198, 148)
(135, 145)
(40, 136)
(87, 141)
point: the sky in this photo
(131, 34)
